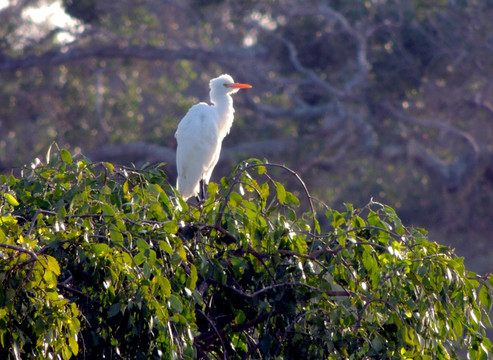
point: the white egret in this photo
(200, 134)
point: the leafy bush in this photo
(98, 262)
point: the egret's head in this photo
(225, 84)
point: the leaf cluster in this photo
(99, 245)
(98, 261)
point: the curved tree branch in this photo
(32, 254)
(63, 55)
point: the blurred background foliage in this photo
(384, 99)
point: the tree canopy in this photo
(98, 261)
(388, 99)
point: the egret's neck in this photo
(225, 112)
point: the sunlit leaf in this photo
(165, 285)
(193, 277)
(52, 265)
(66, 157)
(341, 237)
(11, 199)
(115, 235)
(100, 249)
(73, 344)
(165, 247)
(485, 297)
(281, 193)
(291, 199)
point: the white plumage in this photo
(200, 134)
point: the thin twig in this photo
(370, 227)
(208, 336)
(281, 285)
(225, 351)
(75, 291)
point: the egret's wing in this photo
(197, 151)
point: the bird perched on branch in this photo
(200, 134)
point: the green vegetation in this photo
(103, 261)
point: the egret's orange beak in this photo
(238, 86)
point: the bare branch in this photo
(361, 42)
(310, 74)
(359, 35)
(119, 51)
(32, 254)
(435, 124)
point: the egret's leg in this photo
(202, 191)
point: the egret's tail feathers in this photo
(187, 190)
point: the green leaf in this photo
(11, 199)
(212, 188)
(484, 297)
(126, 192)
(165, 285)
(114, 309)
(142, 244)
(368, 261)
(73, 344)
(163, 245)
(317, 226)
(8, 220)
(235, 199)
(175, 304)
(358, 221)
(140, 258)
(116, 235)
(182, 253)
(100, 249)
(240, 318)
(377, 344)
(281, 192)
(341, 237)
(158, 213)
(61, 213)
(170, 227)
(109, 166)
(108, 210)
(52, 265)
(374, 219)
(66, 157)
(291, 199)
(192, 280)
(335, 218)
(50, 278)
